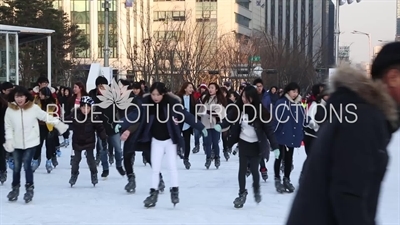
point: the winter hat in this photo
(86, 100)
(101, 80)
(388, 56)
(203, 86)
(45, 91)
(42, 79)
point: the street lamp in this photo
(337, 27)
(369, 41)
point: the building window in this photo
(206, 11)
(169, 35)
(168, 0)
(113, 29)
(295, 22)
(242, 20)
(80, 15)
(206, 0)
(57, 4)
(169, 15)
(280, 21)
(273, 18)
(244, 3)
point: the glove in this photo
(277, 153)
(117, 128)
(205, 133)
(104, 144)
(218, 128)
(8, 146)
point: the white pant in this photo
(158, 149)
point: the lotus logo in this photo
(117, 94)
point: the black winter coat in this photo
(84, 130)
(342, 176)
(3, 108)
(110, 115)
(263, 130)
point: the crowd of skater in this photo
(102, 142)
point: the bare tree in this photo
(180, 49)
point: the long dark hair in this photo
(219, 95)
(182, 92)
(251, 93)
(19, 91)
(82, 88)
(49, 99)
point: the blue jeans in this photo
(197, 135)
(211, 142)
(114, 141)
(23, 156)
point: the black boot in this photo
(105, 173)
(174, 195)
(196, 149)
(72, 180)
(121, 171)
(161, 184)
(287, 185)
(208, 163)
(94, 178)
(29, 192)
(186, 163)
(152, 199)
(217, 162)
(14, 193)
(131, 186)
(3, 177)
(257, 194)
(240, 200)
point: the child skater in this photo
(84, 126)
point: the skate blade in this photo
(28, 200)
(238, 206)
(13, 199)
(149, 206)
(131, 191)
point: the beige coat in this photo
(209, 121)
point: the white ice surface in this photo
(206, 196)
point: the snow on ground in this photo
(206, 196)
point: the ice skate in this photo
(186, 163)
(58, 151)
(152, 199)
(287, 185)
(29, 193)
(111, 159)
(94, 179)
(226, 155)
(217, 162)
(14, 193)
(248, 172)
(264, 173)
(161, 184)
(278, 185)
(49, 166)
(10, 163)
(212, 154)
(35, 164)
(54, 161)
(257, 194)
(3, 177)
(239, 201)
(208, 163)
(174, 195)
(131, 186)
(196, 149)
(234, 152)
(121, 171)
(73, 179)
(105, 174)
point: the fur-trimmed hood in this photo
(372, 91)
(297, 100)
(14, 106)
(169, 94)
(36, 89)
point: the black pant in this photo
(308, 140)
(286, 153)
(186, 136)
(128, 163)
(66, 134)
(47, 136)
(224, 137)
(253, 160)
(3, 166)
(89, 159)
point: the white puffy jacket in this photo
(22, 126)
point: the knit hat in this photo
(86, 100)
(387, 57)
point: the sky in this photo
(376, 17)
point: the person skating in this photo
(343, 174)
(5, 88)
(22, 137)
(159, 126)
(252, 134)
(84, 137)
